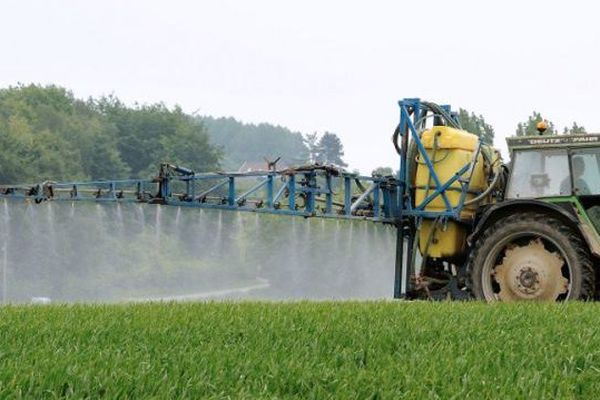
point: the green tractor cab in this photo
(541, 241)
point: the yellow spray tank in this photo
(450, 150)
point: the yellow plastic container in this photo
(449, 150)
(447, 241)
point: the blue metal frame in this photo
(306, 192)
(412, 112)
(407, 192)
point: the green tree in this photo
(98, 142)
(241, 142)
(15, 145)
(191, 146)
(38, 128)
(48, 134)
(574, 130)
(476, 125)
(382, 171)
(331, 150)
(529, 127)
(150, 134)
(312, 143)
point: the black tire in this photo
(569, 244)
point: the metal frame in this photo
(310, 191)
(412, 112)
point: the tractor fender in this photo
(568, 214)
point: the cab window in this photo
(586, 172)
(539, 173)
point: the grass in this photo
(301, 350)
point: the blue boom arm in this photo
(309, 191)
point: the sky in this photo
(338, 66)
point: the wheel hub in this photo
(530, 273)
(528, 280)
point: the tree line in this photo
(256, 143)
(46, 133)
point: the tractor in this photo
(473, 227)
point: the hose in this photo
(395, 139)
(435, 161)
(433, 153)
(434, 109)
(487, 191)
(449, 120)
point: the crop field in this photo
(300, 350)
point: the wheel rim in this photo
(526, 266)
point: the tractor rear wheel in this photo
(530, 257)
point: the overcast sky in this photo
(322, 65)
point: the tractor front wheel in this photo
(530, 257)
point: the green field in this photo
(301, 350)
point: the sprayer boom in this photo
(308, 191)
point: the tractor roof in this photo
(553, 141)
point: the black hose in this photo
(448, 119)
(435, 109)
(395, 139)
